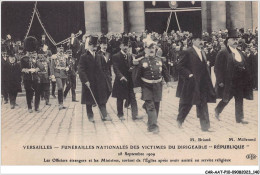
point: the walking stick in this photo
(95, 102)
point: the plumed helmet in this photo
(30, 44)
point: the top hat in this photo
(103, 40)
(30, 44)
(125, 40)
(233, 34)
(93, 40)
(196, 35)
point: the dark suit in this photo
(96, 72)
(196, 90)
(121, 89)
(4, 78)
(237, 81)
(74, 47)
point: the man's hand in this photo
(37, 69)
(191, 75)
(87, 84)
(221, 84)
(67, 69)
(123, 79)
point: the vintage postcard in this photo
(129, 83)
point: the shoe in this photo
(217, 115)
(137, 118)
(243, 122)
(30, 110)
(107, 118)
(154, 130)
(53, 95)
(179, 124)
(38, 110)
(61, 107)
(121, 118)
(91, 119)
(12, 106)
(75, 101)
(48, 104)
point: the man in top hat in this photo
(123, 84)
(232, 77)
(44, 43)
(74, 45)
(59, 70)
(30, 66)
(4, 76)
(195, 85)
(149, 74)
(95, 77)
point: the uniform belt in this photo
(151, 81)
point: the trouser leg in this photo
(37, 90)
(53, 85)
(60, 85)
(239, 112)
(152, 114)
(203, 115)
(157, 107)
(89, 111)
(133, 103)
(221, 105)
(184, 110)
(67, 89)
(73, 87)
(12, 97)
(5, 93)
(47, 92)
(103, 110)
(119, 102)
(29, 93)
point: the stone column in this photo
(92, 16)
(237, 14)
(218, 15)
(136, 16)
(115, 16)
(248, 15)
(255, 14)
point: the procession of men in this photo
(142, 63)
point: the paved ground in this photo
(71, 126)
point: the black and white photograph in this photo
(137, 83)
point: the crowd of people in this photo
(141, 62)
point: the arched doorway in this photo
(156, 16)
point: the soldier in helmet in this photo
(150, 72)
(59, 69)
(30, 67)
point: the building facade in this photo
(129, 16)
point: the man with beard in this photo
(30, 66)
(123, 84)
(59, 69)
(149, 75)
(195, 86)
(232, 77)
(95, 77)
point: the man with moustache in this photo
(123, 84)
(149, 73)
(195, 86)
(232, 77)
(95, 76)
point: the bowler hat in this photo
(125, 40)
(93, 40)
(196, 35)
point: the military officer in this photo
(30, 67)
(71, 81)
(150, 72)
(44, 76)
(59, 69)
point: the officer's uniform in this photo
(71, 82)
(149, 75)
(44, 76)
(59, 68)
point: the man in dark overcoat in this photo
(123, 84)
(4, 76)
(195, 85)
(94, 75)
(232, 77)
